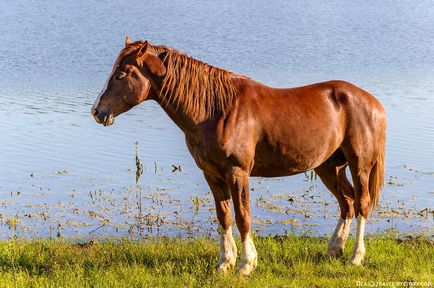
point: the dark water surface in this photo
(62, 173)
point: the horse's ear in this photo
(143, 48)
(127, 41)
(163, 55)
(154, 64)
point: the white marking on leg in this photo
(359, 247)
(228, 250)
(249, 256)
(337, 242)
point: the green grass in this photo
(284, 262)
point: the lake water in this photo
(63, 174)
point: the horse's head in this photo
(131, 82)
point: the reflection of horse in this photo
(236, 127)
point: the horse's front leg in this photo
(222, 197)
(238, 180)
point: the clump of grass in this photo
(166, 262)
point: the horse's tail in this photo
(376, 177)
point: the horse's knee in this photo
(224, 216)
(222, 200)
(242, 218)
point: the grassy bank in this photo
(283, 262)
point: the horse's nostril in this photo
(94, 111)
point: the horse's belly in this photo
(273, 171)
(272, 162)
(276, 169)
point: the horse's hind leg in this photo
(332, 174)
(360, 161)
(222, 197)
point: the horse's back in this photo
(302, 126)
(325, 103)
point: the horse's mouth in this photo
(108, 120)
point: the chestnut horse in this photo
(236, 127)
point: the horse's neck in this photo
(176, 112)
(190, 124)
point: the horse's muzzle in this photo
(106, 118)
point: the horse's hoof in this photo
(247, 267)
(335, 251)
(356, 260)
(224, 266)
(357, 256)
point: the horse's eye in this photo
(121, 75)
